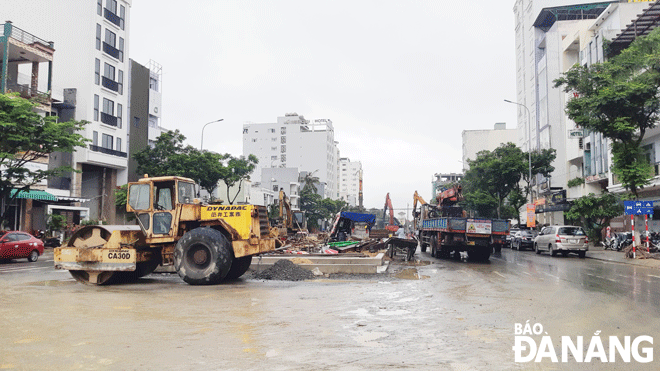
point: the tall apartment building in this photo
(295, 142)
(92, 64)
(349, 178)
(144, 110)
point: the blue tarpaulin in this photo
(357, 217)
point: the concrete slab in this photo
(327, 264)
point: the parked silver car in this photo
(563, 239)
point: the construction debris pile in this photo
(284, 270)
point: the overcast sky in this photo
(400, 80)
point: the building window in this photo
(275, 188)
(120, 81)
(283, 149)
(283, 158)
(121, 49)
(108, 107)
(106, 141)
(245, 130)
(112, 5)
(96, 107)
(136, 121)
(118, 148)
(95, 138)
(97, 71)
(271, 131)
(110, 38)
(283, 139)
(273, 139)
(254, 140)
(273, 148)
(98, 36)
(119, 116)
(283, 130)
(109, 71)
(273, 158)
(122, 16)
(153, 83)
(99, 7)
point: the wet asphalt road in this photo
(428, 315)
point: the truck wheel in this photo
(422, 246)
(203, 256)
(238, 267)
(434, 246)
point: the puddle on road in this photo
(410, 274)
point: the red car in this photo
(16, 244)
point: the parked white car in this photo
(562, 239)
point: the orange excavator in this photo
(388, 204)
(448, 199)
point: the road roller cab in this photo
(205, 243)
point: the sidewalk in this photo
(598, 252)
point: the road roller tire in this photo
(203, 256)
(97, 235)
(238, 267)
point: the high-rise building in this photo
(92, 64)
(551, 36)
(349, 176)
(295, 142)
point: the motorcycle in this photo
(48, 241)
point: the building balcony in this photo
(110, 50)
(110, 84)
(108, 119)
(27, 92)
(108, 151)
(112, 17)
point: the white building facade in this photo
(475, 141)
(92, 45)
(295, 142)
(551, 36)
(349, 176)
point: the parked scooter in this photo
(48, 241)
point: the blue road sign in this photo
(638, 207)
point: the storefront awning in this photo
(34, 195)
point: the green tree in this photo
(166, 157)
(310, 203)
(594, 212)
(26, 136)
(541, 165)
(491, 177)
(170, 157)
(620, 98)
(237, 170)
(205, 168)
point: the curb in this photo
(637, 262)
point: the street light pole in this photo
(201, 146)
(529, 145)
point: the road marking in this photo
(526, 273)
(497, 273)
(650, 275)
(548, 274)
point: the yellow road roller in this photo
(206, 244)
